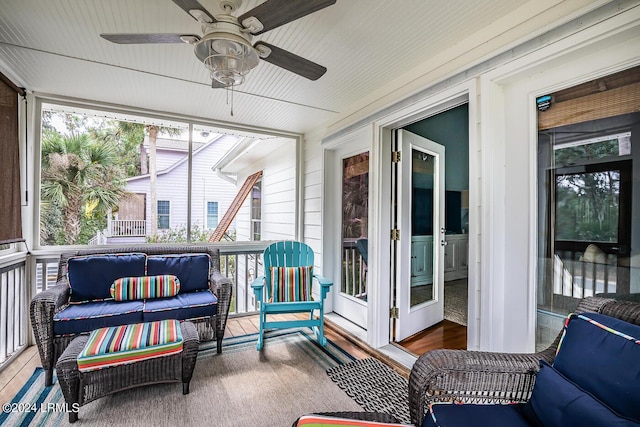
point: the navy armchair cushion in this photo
(466, 415)
(556, 401)
(601, 354)
(191, 269)
(90, 277)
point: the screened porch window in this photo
(588, 183)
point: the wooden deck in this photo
(440, 336)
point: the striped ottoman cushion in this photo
(120, 345)
(328, 421)
(133, 288)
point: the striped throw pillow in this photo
(327, 421)
(132, 288)
(291, 283)
(120, 345)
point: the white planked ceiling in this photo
(54, 47)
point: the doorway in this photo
(418, 234)
(450, 130)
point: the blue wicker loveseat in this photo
(83, 298)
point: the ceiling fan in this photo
(225, 46)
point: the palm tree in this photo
(132, 130)
(78, 176)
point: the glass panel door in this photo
(355, 213)
(419, 250)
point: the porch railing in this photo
(126, 227)
(242, 263)
(13, 310)
(354, 270)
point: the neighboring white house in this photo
(269, 210)
(211, 195)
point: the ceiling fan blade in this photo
(289, 61)
(216, 84)
(145, 38)
(189, 5)
(274, 13)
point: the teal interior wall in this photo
(451, 129)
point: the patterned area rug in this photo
(239, 388)
(455, 301)
(374, 386)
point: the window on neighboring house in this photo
(212, 215)
(256, 211)
(163, 214)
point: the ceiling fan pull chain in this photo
(232, 100)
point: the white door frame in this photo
(378, 135)
(413, 319)
(353, 143)
(379, 324)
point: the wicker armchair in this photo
(484, 377)
(50, 301)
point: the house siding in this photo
(206, 185)
(278, 212)
(278, 196)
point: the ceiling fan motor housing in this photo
(226, 51)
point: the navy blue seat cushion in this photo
(453, 415)
(601, 355)
(79, 318)
(192, 269)
(90, 277)
(556, 401)
(183, 306)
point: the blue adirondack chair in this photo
(289, 254)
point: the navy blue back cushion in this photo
(453, 415)
(556, 401)
(90, 277)
(191, 269)
(601, 354)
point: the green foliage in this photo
(597, 150)
(587, 206)
(179, 235)
(79, 180)
(85, 161)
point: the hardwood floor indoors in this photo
(446, 334)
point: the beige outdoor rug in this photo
(240, 387)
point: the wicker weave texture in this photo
(48, 302)
(484, 377)
(83, 387)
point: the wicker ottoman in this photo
(80, 387)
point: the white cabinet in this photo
(456, 257)
(421, 260)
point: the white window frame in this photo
(206, 214)
(168, 215)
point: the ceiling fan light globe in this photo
(227, 69)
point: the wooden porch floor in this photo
(14, 376)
